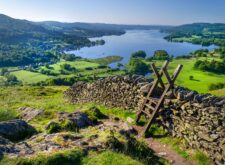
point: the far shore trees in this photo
(139, 53)
(210, 66)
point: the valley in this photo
(70, 93)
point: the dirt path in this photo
(165, 151)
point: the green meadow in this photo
(28, 77)
(83, 67)
(201, 80)
(77, 64)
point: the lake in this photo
(134, 40)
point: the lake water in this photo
(134, 40)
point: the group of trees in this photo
(23, 54)
(201, 53)
(216, 86)
(211, 66)
(221, 51)
(9, 79)
(68, 67)
(160, 55)
(136, 64)
(69, 57)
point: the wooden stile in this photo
(151, 104)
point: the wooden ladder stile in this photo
(154, 85)
(154, 104)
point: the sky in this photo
(146, 12)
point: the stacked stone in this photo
(117, 91)
(199, 119)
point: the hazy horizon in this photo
(107, 23)
(133, 12)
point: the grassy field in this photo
(77, 64)
(110, 158)
(201, 80)
(28, 77)
(50, 98)
(76, 157)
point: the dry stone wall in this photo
(200, 119)
(118, 91)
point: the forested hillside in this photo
(23, 42)
(198, 33)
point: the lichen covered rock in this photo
(27, 113)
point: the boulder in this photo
(16, 130)
(81, 119)
(69, 122)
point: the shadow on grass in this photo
(1, 156)
(195, 80)
(136, 149)
(68, 157)
(155, 131)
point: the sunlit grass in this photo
(201, 80)
(110, 158)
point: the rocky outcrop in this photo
(95, 138)
(6, 147)
(80, 119)
(67, 121)
(27, 113)
(197, 118)
(16, 130)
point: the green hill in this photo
(198, 33)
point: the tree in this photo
(3, 71)
(11, 79)
(139, 54)
(67, 67)
(137, 66)
(161, 55)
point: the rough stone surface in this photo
(197, 118)
(91, 138)
(6, 146)
(16, 130)
(28, 113)
(79, 118)
(118, 91)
